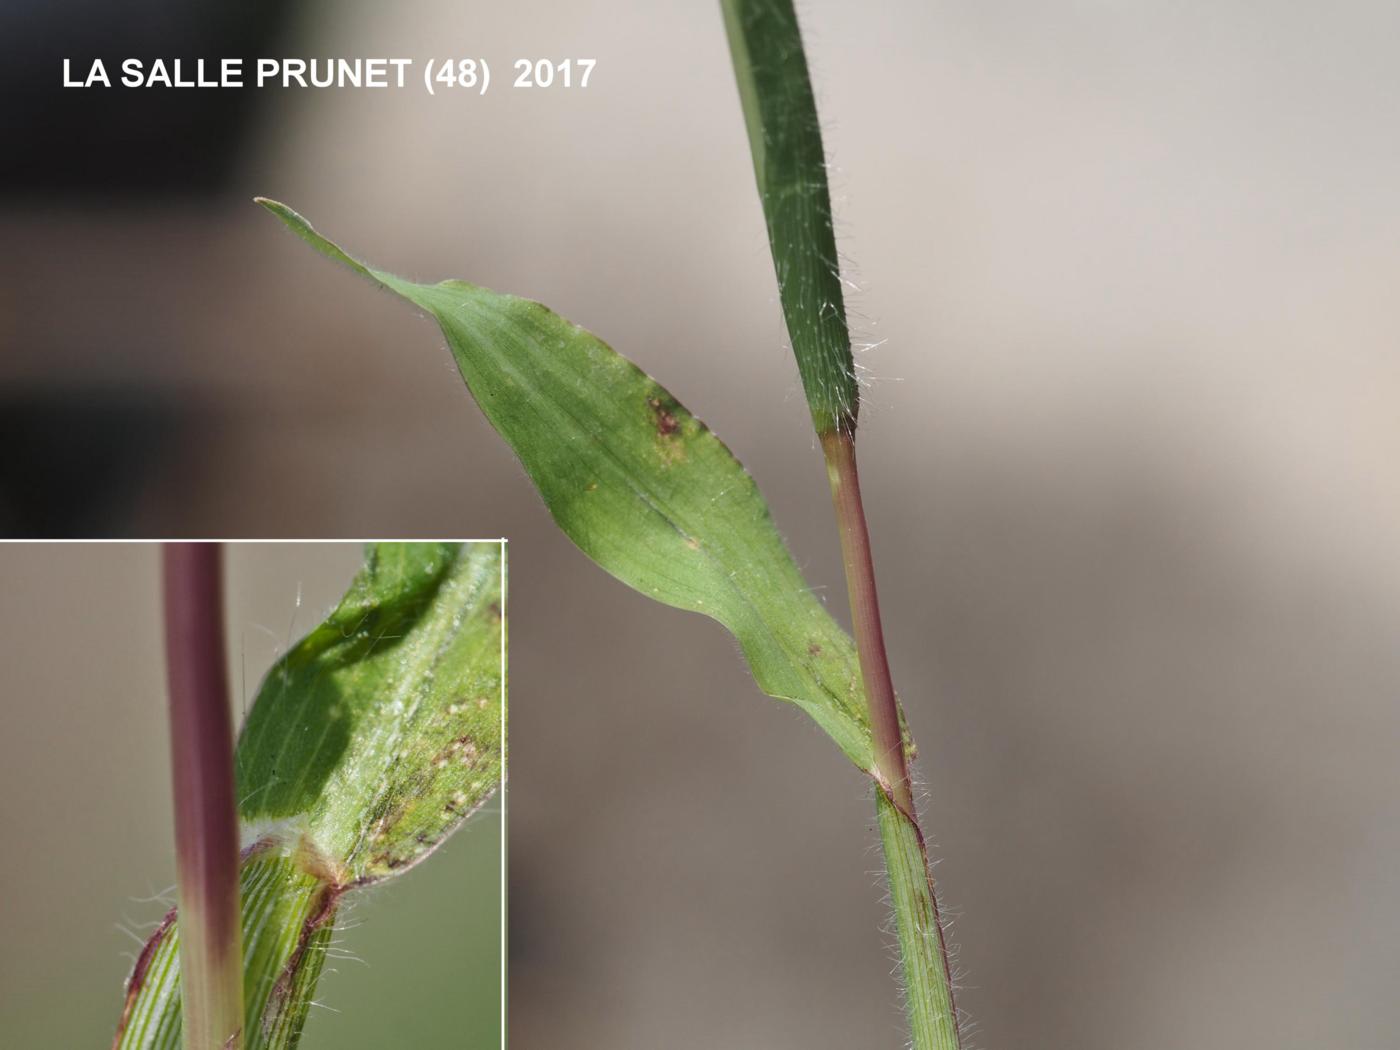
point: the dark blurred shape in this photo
(76, 460)
(109, 143)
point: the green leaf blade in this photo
(380, 731)
(642, 487)
(789, 163)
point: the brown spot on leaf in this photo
(463, 749)
(666, 421)
(814, 649)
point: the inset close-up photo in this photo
(276, 773)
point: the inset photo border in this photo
(306, 737)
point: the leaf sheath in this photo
(928, 990)
(281, 905)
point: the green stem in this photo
(927, 978)
(206, 818)
(928, 990)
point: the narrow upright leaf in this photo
(785, 139)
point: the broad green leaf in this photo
(641, 486)
(785, 139)
(368, 743)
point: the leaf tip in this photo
(288, 215)
(299, 225)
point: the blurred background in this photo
(85, 801)
(1130, 457)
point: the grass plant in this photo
(649, 493)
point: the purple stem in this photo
(206, 818)
(891, 765)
